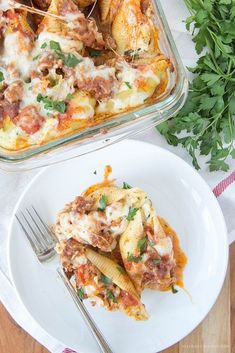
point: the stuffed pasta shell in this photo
(98, 218)
(151, 252)
(112, 246)
(132, 29)
(100, 279)
(137, 82)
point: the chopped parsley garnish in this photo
(174, 291)
(36, 57)
(121, 269)
(1, 77)
(50, 104)
(131, 257)
(142, 244)
(69, 96)
(131, 214)
(128, 84)
(43, 46)
(157, 261)
(105, 279)
(151, 243)
(94, 53)
(81, 292)
(102, 203)
(111, 296)
(69, 60)
(126, 185)
(54, 45)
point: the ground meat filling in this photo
(71, 249)
(81, 205)
(99, 87)
(10, 99)
(159, 270)
(102, 240)
(84, 29)
(144, 5)
(29, 119)
(8, 109)
(155, 270)
(14, 92)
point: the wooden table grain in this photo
(216, 334)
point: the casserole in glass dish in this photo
(70, 84)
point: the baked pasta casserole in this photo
(113, 245)
(68, 71)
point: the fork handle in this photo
(85, 314)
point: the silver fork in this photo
(43, 242)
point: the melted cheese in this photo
(164, 246)
(67, 45)
(135, 87)
(80, 260)
(13, 54)
(48, 128)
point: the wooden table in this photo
(216, 334)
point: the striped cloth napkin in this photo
(12, 185)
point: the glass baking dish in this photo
(116, 128)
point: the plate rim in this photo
(136, 142)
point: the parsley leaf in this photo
(94, 53)
(126, 185)
(71, 60)
(1, 77)
(131, 257)
(69, 96)
(81, 292)
(102, 203)
(111, 296)
(142, 244)
(55, 45)
(44, 45)
(206, 124)
(105, 279)
(36, 57)
(132, 212)
(50, 104)
(128, 84)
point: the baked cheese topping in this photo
(68, 75)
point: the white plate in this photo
(180, 195)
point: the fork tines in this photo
(37, 232)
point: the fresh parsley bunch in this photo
(206, 123)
